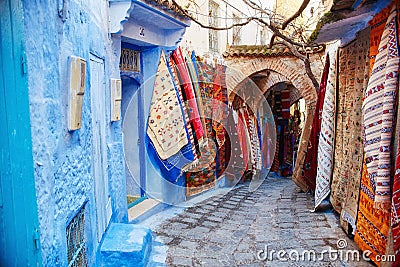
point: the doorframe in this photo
(19, 215)
(142, 126)
(138, 77)
(107, 212)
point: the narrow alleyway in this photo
(231, 229)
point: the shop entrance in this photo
(289, 116)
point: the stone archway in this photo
(282, 68)
(273, 78)
(288, 69)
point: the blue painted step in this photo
(126, 245)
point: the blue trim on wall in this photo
(160, 13)
(19, 225)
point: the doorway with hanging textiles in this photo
(289, 114)
(132, 123)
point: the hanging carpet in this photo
(236, 167)
(203, 177)
(180, 93)
(372, 226)
(167, 135)
(378, 112)
(166, 127)
(327, 135)
(353, 135)
(241, 129)
(396, 192)
(194, 77)
(190, 98)
(310, 162)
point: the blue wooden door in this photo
(19, 230)
(132, 109)
(100, 174)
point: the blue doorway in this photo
(132, 117)
(19, 226)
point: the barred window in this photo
(237, 31)
(76, 243)
(213, 41)
(130, 60)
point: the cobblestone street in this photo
(229, 229)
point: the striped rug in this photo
(189, 93)
(378, 112)
(327, 136)
(372, 226)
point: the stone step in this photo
(126, 245)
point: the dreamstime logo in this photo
(214, 112)
(312, 255)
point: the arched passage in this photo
(291, 71)
(268, 79)
(283, 69)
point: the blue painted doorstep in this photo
(126, 245)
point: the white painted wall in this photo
(196, 37)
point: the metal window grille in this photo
(213, 21)
(76, 243)
(237, 31)
(130, 60)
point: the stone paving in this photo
(234, 228)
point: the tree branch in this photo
(273, 28)
(187, 14)
(295, 15)
(277, 33)
(271, 42)
(287, 41)
(306, 62)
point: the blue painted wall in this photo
(62, 159)
(63, 170)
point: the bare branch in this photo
(272, 27)
(255, 6)
(287, 41)
(275, 28)
(271, 42)
(277, 33)
(295, 15)
(306, 61)
(187, 14)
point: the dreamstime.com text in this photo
(313, 255)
